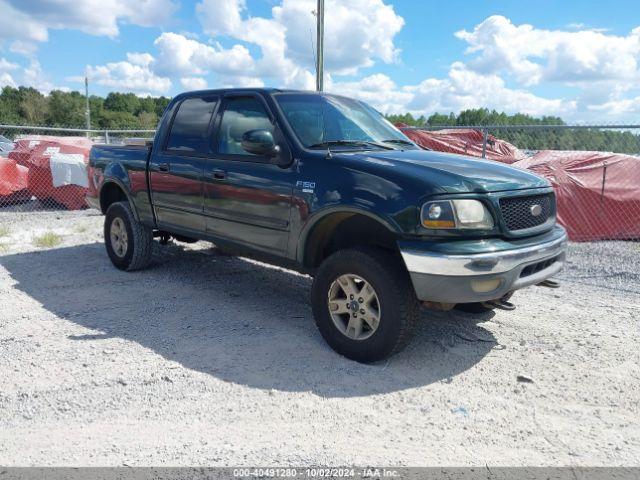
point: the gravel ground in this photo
(206, 359)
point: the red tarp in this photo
(598, 193)
(13, 180)
(36, 152)
(463, 142)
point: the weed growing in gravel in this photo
(4, 231)
(48, 240)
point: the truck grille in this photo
(520, 213)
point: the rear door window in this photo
(190, 128)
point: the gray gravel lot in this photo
(212, 360)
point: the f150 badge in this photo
(307, 187)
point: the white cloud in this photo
(193, 83)
(141, 59)
(181, 55)
(617, 108)
(534, 55)
(360, 32)
(7, 65)
(134, 75)
(6, 79)
(465, 88)
(377, 90)
(16, 25)
(24, 47)
(462, 89)
(29, 21)
(221, 17)
(34, 76)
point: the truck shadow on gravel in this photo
(239, 321)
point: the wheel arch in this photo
(344, 227)
(113, 190)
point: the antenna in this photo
(320, 47)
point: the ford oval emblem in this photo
(536, 210)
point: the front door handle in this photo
(163, 167)
(219, 174)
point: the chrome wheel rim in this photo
(354, 306)
(119, 238)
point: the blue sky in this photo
(576, 59)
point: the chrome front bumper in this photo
(465, 278)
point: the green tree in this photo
(122, 102)
(34, 107)
(66, 109)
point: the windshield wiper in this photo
(399, 141)
(355, 143)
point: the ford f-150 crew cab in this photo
(325, 185)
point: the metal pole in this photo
(485, 134)
(88, 109)
(320, 47)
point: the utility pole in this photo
(87, 112)
(320, 47)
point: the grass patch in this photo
(48, 240)
(4, 231)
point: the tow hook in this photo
(549, 284)
(500, 304)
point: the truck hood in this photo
(448, 173)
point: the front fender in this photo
(325, 212)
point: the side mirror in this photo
(260, 142)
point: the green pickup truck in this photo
(323, 184)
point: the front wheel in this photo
(128, 242)
(364, 304)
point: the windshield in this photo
(321, 121)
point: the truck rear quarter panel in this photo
(126, 166)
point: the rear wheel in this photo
(364, 304)
(128, 242)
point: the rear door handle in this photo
(163, 167)
(219, 174)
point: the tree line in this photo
(27, 106)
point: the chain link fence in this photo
(595, 170)
(44, 168)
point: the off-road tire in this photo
(140, 239)
(399, 308)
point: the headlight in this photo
(463, 214)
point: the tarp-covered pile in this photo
(598, 193)
(55, 169)
(464, 142)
